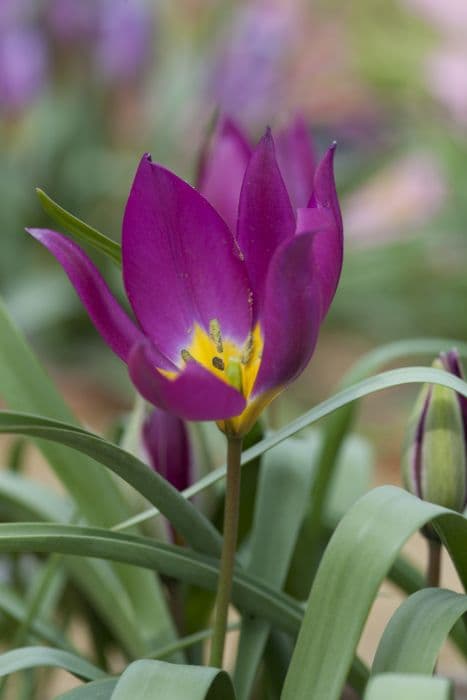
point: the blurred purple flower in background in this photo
(23, 66)
(124, 38)
(250, 68)
(168, 449)
(71, 20)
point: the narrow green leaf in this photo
(283, 496)
(145, 680)
(390, 686)
(197, 530)
(358, 557)
(96, 690)
(31, 657)
(13, 606)
(385, 380)
(184, 564)
(24, 386)
(416, 632)
(80, 230)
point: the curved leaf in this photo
(393, 685)
(31, 657)
(178, 562)
(96, 690)
(416, 632)
(385, 380)
(196, 529)
(80, 230)
(145, 680)
(358, 557)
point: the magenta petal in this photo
(196, 394)
(222, 171)
(180, 262)
(266, 218)
(296, 160)
(166, 441)
(329, 246)
(291, 314)
(119, 332)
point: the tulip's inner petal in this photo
(223, 170)
(296, 160)
(291, 314)
(451, 363)
(181, 265)
(195, 393)
(119, 332)
(323, 216)
(266, 218)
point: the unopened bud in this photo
(434, 457)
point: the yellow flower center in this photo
(235, 365)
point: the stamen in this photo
(186, 356)
(218, 363)
(215, 334)
(247, 349)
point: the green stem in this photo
(231, 510)
(434, 563)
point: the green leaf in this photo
(197, 530)
(96, 690)
(390, 686)
(145, 680)
(283, 497)
(80, 230)
(385, 380)
(31, 657)
(416, 632)
(181, 563)
(358, 557)
(24, 386)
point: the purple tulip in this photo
(167, 444)
(226, 318)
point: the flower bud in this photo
(434, 456)
(167, 445)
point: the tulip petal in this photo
(266, 218)
(329, 245)
(223, 169)
(196, 394)
(166, 441)
(291, 314)
(296, 160)
(451, 362)
(181, 264)
(117, 329)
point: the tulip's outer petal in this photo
(412, 454)
(329, 246)
(181, 264)
(451, 363)
(223, 169)
(119, 332)
(327, 249)
(266, 218)
(167, 444)
(296, 160)
(196, 394)
(291, 314)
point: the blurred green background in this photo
(86, 86)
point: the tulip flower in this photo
(228, 302)
(167, 445)
(434, 461)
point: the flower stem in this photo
(434, 563)
(231, 510)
